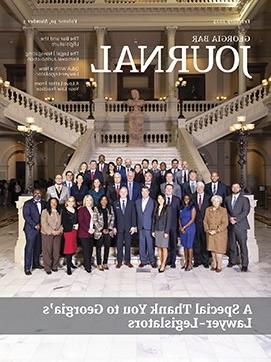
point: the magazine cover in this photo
(135, 180)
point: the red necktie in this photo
(200, 201)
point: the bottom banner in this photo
(135, 315)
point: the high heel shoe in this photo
(188, 268)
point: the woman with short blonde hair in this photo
(215, 225)
(70, 227)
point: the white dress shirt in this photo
(144, 203)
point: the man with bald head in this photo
(238, 208)
(58, 190)
(201, 201)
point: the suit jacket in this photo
(51, 192)
(79, 194)
(135, 191)
(240, 211)
(175, 207)
(221, 189)
(122, 172)
(69, 188)
(177, 175)
(144, 219)
(84, 218)
(98, 222)
(112, 193)
(182, 176)
(105, 169)
(98, 175)
(177, 191)
(187, 189)
(31, 215)
(124, 222)
(154, 190)
(162, 222)
(200, 212)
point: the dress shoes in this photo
(141, 265)
(100, 267)
(213, 268)
(173, 266)
(118, 265)
(55, 270)
(88, 270)
(206, 266)
(37, 267)
(69, 272)
(129, 265)
(105, 266)
(218, 270)
(154, 265)
(27, 272)
(244, 269)
(195, 265)
(48, 272)
(230, 265)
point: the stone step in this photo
(136, 154)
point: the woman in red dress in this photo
(70, 227)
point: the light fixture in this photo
(221, 98)
(242, 129)
(264, 82)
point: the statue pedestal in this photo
(20, 244)
(136, 128)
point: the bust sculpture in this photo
(136, 119)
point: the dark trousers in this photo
(201, 255)
(87, 247)
(172, 247)
(124, 237)
(105, 240)
(238, 237)
(50, 251)
(32, 249)
(146, 247)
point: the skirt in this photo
(70, 242)
(160, 240)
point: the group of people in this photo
(107, 204)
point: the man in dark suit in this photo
(32, 212)
(128, 166)
(69, 176)
(151, 184)
(144, 211)
(201, 201)
(132, 186)
(238, 207)
(163, 172)
(216, 187)
(177, 191)
(102, 166)
(93, 173)
(176, 172)
(175, 205)
(183, 176)
(113, 190)
(121, 169)
(155, 171)
(189, 188)
(125, 227)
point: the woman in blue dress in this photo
(187, 230)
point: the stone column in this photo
(20, 244)
(241, 76)
(99, 101)
(100, 33)
(170, 84)
(29, 33)
(253, 249)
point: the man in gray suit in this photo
(58, 190)
(177, 191)
(238, 207)
(144, 211)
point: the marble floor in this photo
(129, 282)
